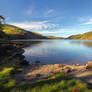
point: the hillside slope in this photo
(2, 34)
(17, 33)
(14, 32)
(87, 36)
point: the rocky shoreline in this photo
(11, 55)
(32, 73)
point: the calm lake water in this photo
(60, 51)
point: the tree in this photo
(2, 19)
(2, 34)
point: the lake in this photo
(59, 51)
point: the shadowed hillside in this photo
(2, 35)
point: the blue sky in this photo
(49, 17)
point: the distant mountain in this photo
(87, 36)
(54, 37)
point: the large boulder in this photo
(67, 69)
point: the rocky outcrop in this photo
(10, 54)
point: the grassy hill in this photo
(2, 34)
(87, 36)
(17, 33)
(14, 32)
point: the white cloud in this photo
(43, 27)
(57, 31)
(34, 25)
(88, 22)
(49, 11)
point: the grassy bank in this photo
(59, 82)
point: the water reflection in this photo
(84, 43)
(60, 51)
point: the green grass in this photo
(12, 30)
(56, 83)
(61, 83)
(6, 80)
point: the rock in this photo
(58, 65)
(38, 75)
(77, 64)
(11, 54)
(83, 68)
(46, 76)
(67, 69)
(87, 67)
